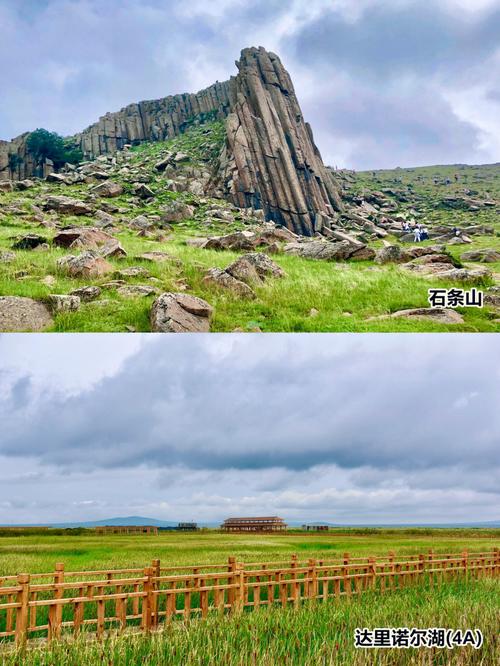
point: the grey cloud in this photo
(179, 402)
(374, 87)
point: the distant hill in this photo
(142, 520)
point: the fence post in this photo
(465, 564)
(239, 597)
(23, 598)
(295, 587)
(373, 573)
(496, 566)
(56, 611)
(147, 598)
(421, 565)
(312, 574)
(231, 567)
(155, 565)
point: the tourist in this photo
(424, 234)
(416, 233)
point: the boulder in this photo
(143, 191)
(66, 205)
(392, 254)
(254, 267)
(132, 272)
(89, 238)
(108, 189)
(221, 278)
(142, 223)
(63, 302)
(29, 242)
(176, 211)
(113, 249)
(136, 290)
(87, 264)
(487, 255)
(239, 240)
(25, 184)
(159, 257)
(86, 294)
(6, 186)
(318, 249)
(439, 315)
(180, 313)
(23, 314)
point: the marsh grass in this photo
(315, 633)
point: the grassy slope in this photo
(345, 294)
(40, 553)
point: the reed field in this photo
(319, 631)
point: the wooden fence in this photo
(49, 605)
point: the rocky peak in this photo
(269, 160)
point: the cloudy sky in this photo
(346, 429)
(384, 83)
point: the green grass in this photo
(313, 633)
(30, 554)
(346, 295)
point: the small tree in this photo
(43, 145)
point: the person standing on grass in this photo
(424, 235)
(416, 232)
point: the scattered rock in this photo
(25, 184)
(223, 279)
(6, 186)
(132, 272)
(393, 254)
(254, 267)
(63, 302)
(326, 250)
(113, 249)
(88, 264)
(180, 313)
(136, 290)
(158, 257)
(86, 294)
(7, 257)
(487, 255)
(143, 191)
(89, 238)
(29, 242)
(23, 314)
(66, 205)
(48, 280)
(440, 315)
(239, 240)
(107, 189)
(176, 211)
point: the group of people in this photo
(420, 232)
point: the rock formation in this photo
(269, 162)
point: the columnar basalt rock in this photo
(153, 120)
(269, 162)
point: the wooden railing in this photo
(48, 605)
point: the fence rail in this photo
(150, 597)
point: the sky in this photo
(338, 428)
(384, 83)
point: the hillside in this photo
(141, 220)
